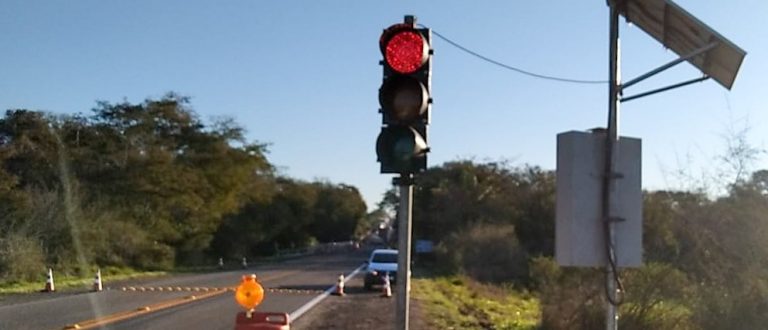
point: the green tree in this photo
(175, 177)
(452, 196)
(338, 212)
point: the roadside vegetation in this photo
(150, 187)
(706, 256)
(66, 282)
(459, 302)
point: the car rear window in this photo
(385, 258)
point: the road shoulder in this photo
(358, 309)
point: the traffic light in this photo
(404, 97)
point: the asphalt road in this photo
(294, 283)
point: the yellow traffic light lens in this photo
(403, 98)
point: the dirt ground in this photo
(358, 309)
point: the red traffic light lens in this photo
(406, 51)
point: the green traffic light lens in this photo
(399, 148)
(404, 148)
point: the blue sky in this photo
(304, 76)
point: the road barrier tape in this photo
(174, 289)
(212, 289)
(293, 291)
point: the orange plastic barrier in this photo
(262, 321)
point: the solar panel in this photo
(684, 34)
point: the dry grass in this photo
(461, 303)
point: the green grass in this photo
(460, 303)
(65, 281)
(68, 281)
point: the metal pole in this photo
(611, 316)
(404, 251)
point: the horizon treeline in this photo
(151, 186)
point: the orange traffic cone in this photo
(97, 282)
(339, 286)
(49, 287)
(387, 289)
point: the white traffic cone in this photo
(97, 282)
(49, 287)
(387, 289)
(339, 286)
(244, 263)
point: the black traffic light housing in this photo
(405, 98)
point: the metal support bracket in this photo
(616, 175)
(404, 180)
(663, 89)
(653, 72)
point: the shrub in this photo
(658, 296)
(740, 304)
(126, 244)
(21, 259)
(571, 298)
(486, 252)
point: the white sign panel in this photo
(579, 232)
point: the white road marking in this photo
(306, 307)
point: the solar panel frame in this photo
(684, 34)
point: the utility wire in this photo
(610, 249)
(611, 254)
(509, 67)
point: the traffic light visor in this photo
(405, 49)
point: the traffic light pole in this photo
(405, 181)
(401, 147)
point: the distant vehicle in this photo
(381, 263)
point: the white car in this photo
(381, 263)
